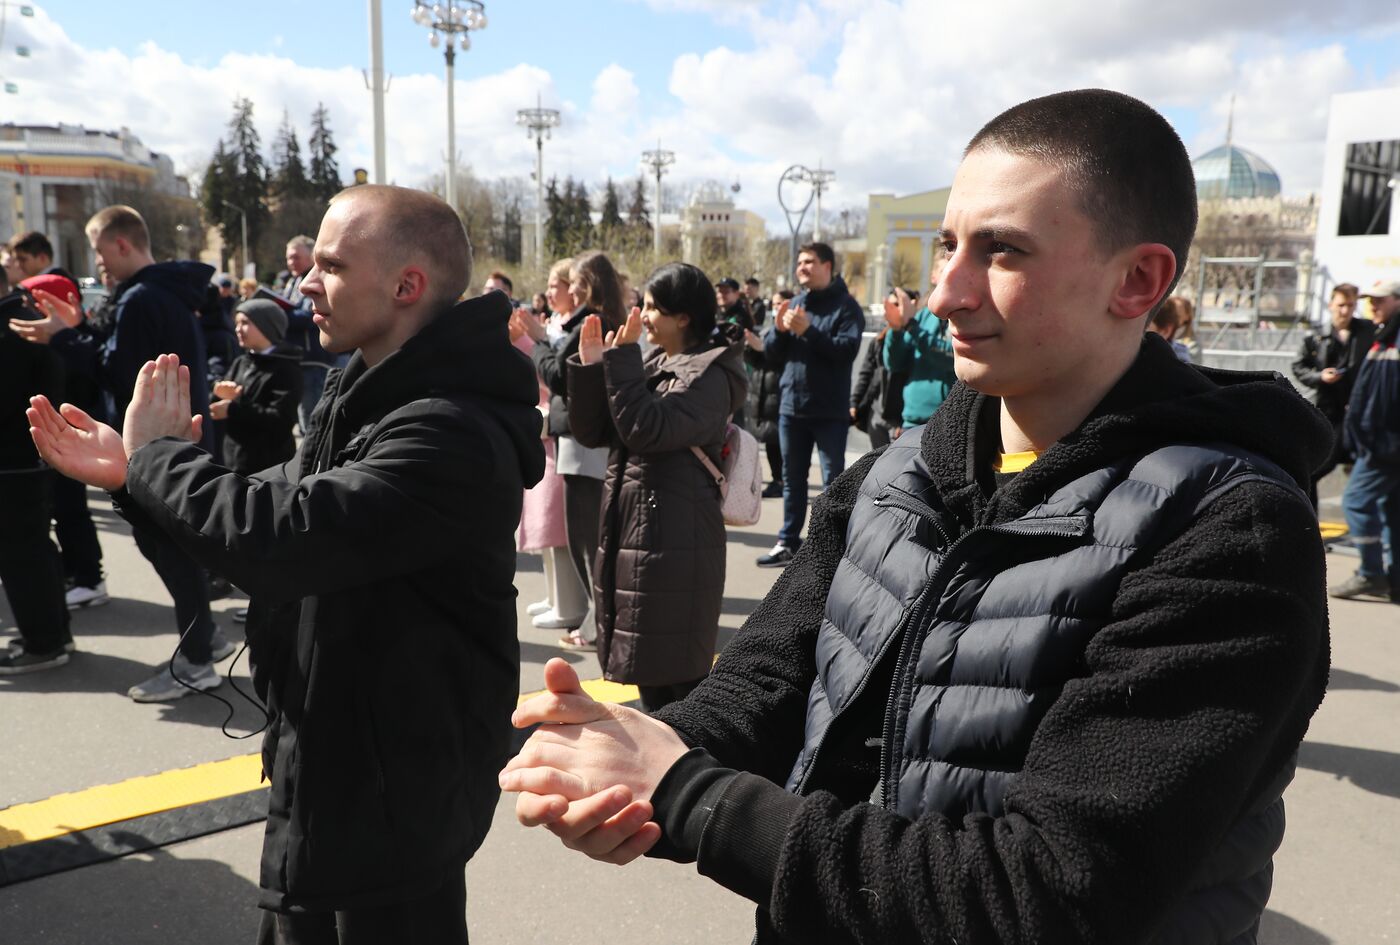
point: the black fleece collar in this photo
(1159, 401)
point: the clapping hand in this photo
(899, 309)
(59, 314)
(798, 321)
(752, 340)
(161, 405)
(227, 390)
(630, 332)
(76, 445)
(780, 317)
(588, 773)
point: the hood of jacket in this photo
(185, 280)
(822, 300)
(465, 350)
(688, 367)
(1160, 400)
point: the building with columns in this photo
(52, 178)
(711, 224)
(901, 238)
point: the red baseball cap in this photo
(54, 285)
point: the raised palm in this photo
(590, 340)
(76, 445)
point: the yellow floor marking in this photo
(138, 797)
(1332, 530)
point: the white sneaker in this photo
(79, 596)
(550, 620)
(539, 607)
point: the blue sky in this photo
(885, 91)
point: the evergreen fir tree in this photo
(289, 180)
(324, 172)
(556, 227)
(638, 217)
(511, 232)
(213, 191)
(580, 214)
(611, 225)
(246, 184)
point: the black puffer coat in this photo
(395, 522)
(660, 569)
(258, 431)
(765, 398)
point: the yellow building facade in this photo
(901, 238)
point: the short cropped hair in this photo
(1128, 164)
(32, 243)
(419, 226)
(822, 251)
(751, 281)
(1344, 289)
(119, 222)
(302, 242)
(502, 278)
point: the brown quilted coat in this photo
(659, 577)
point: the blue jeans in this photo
(1372, 507)
(798, 435)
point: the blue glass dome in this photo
(1230, 171)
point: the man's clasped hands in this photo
(587, 774)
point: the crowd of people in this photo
(978, 705)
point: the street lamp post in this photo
(538, 121)
(376, 84)
(243, 223)
(818, 180)
(658, 160)
(453, 19)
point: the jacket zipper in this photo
(913, 506)
(896, 721)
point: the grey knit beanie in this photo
(267, 316)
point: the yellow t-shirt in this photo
(1010, 463)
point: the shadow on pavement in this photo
(1370, 770)
(1341, 679)
(146, 897)
(1277, 929)
(544, 652)
(85, 672)
(752, 539)
(125, 617)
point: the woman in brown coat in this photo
(659, 578)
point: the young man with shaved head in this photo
(1041, 670)
(381, 565)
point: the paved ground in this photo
(1336, 875)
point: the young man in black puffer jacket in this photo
(1041, 671)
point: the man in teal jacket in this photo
(917, 345)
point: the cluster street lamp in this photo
(796, 211)
(454, 19)
(538, 121)
(658, 160)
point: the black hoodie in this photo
(154, 313)
(381, 566)
(258, 430)
(1229, 621)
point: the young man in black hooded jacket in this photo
(380, 561)
(1042, 668)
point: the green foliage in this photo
(324, 171)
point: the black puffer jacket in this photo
(1183, 711)
(659, 578)
(258, 430)
(397, 517)
(765, 398)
